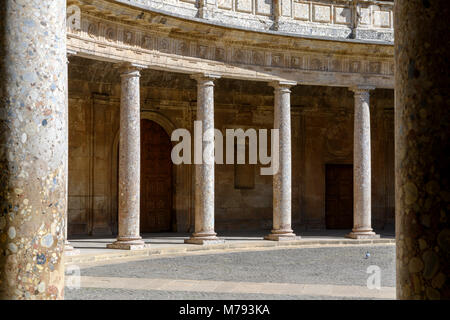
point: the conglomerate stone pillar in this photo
(362, 203)
(33, 148)
(282, 180)
(129, 161)
(422, 144)
(204, 171)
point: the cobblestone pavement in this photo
(125, 294)
(341, 267)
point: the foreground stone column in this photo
(33, 149)
(422, 135)
(204, 172)
(282, 180)
(129, 161)
(362, 203)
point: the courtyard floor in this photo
(321, 265)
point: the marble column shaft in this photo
(362, 191)
(33, 149)
(282, 180)
(129, 161)
(204, 172)
(422, 147)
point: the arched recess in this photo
(181, 177)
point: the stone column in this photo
(129, 161)
(362, 204)
(282, 180)
(204, 171)
(33, 149)
(422, 144)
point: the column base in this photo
(127, 244)
(282, 235)
(362, 234)
(69, 250)
(204, 238)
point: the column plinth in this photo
(129, 162)
(282, 192)
(33, 149)
(362, 205)
(204, 172)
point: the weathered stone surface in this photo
(422, 139)
(204, 165)
(129, 161)
(282, 179)
(362, 167)
(33, 149)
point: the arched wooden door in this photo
(156, 178)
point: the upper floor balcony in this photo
(365, 20)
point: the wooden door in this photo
(156, 178)
(339, 196)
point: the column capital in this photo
(204, 78)
(129, 69)
(282, 84)
(361, 89)
(70, 53)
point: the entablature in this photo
(114, 32)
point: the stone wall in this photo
(322, 132)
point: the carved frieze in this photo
(277, 60)
(258, 58)
(220, 54)
(93, 30)
(111, 34)
(147, 42)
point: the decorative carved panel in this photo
(244, 5)
(277, 60)
(301, 11)
(342, 15)
(264, 7)
(381, 19)
(286, 8)
(225, 4)
(220, 54)
(364, 18)
(258, 58)
(321, 13)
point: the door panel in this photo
(156, 178)
(339, 196)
